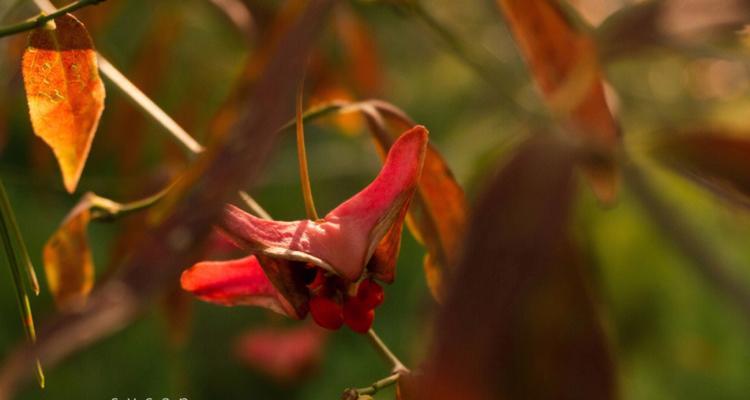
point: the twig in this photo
(46, 16)
(707, 262)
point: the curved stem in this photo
(44, 17)
(304, 174)
(103, 208)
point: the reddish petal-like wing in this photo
(235, 282)
(345, 240)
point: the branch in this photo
(45, 17)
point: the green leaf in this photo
(18, 260)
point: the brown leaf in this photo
(517, 322)
(437, 215)
(64, 92)
(68, 263)
(718, 161)
(564, 64)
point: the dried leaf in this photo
(564, 64)
(64, 92)
(517, 322)
(437, 215)
(68, 262)
(719, 161)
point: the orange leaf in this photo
(68, 263)
(719, 162)
(64, 92)
(437, 215)
(564, 64)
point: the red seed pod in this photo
(370, 294)
(356, 316)
(326, 312)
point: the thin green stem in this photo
(304, 174)
(106, 209)
(43, 18)
(396, 365)
(316, 112)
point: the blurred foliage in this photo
(673, 335)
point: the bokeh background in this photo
(673, 334)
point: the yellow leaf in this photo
(67, 259)
(64, 92)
